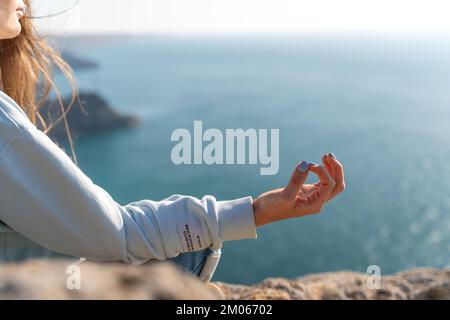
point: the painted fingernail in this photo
(303, 167)
(313, 164)
(332, 155)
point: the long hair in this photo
(26, 75)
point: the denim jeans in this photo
(192, 262)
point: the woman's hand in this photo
(298, 199)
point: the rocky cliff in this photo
(63, 280)
(77, 62)
(90, 114)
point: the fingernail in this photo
(303, 167)
(313, 164)
(332, 155)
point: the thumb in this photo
(298, 178)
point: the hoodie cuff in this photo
(236, 219)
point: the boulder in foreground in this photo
(109, 281)
(164, 280)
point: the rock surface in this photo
(412, 284)
(163, 280)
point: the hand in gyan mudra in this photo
(298, 199)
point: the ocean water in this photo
(381, 104)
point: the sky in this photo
(237, 16)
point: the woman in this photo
(49, 207)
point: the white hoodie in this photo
(48, 206)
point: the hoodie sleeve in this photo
(48, 199)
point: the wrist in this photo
(259, 219)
